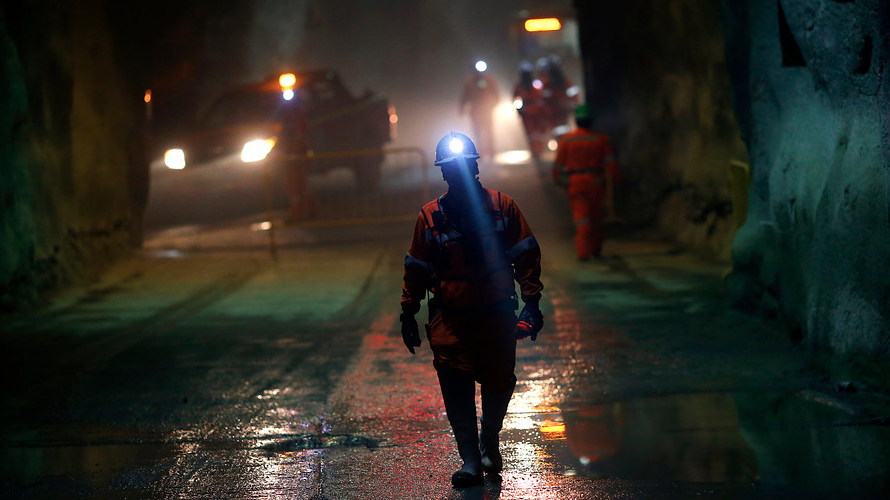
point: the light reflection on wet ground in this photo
(639, 387)
(746, 445)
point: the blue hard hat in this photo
(455, 146)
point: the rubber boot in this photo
(459, 395)
(494, 409)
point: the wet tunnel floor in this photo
(218, 376)
(714, 445)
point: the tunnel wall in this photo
(794, 89)
(656, 79)
(70, 140)
(814, 250)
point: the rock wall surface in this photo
(810, 82)
(656, 78)
(70, 147)
(692, 91)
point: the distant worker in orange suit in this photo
(559, 93)
(470, 248)
(529, 103)
(302, 203)
(479, 97)
(585, 166)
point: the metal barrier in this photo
(395, 200)
(369, 152)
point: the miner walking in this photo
(479, 97)
(585, 166)
(470, 246)
(529, 103)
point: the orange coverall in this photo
(470, 263)
(296, 129)
(557, 102)
(479, 96)
(534, 116)
(584, 159)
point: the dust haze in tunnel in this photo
(416, 53)
(64, 92)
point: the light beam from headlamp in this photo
(468, 192)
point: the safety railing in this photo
(402, 186)
(205, 206)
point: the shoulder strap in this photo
(429, 210)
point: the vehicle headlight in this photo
(257, 150)
(175, 159)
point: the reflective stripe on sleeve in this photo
(412, 260)
(502, 223)
(578, 138)
(586, 170)
(521, 247)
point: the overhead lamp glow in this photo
(287, 80)
(257, 150)
(481, 66)
(456, 145)
(175, 159)
(543, 24)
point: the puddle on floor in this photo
(784, 441)
(765, 443)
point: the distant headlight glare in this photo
(175, 159)
(257, 150)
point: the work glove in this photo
(410, 333)
(530, 321)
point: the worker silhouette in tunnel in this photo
(301, 202)
(529, 103)
(585, 166)
(469, 248)
(559, 94)
(479, 97)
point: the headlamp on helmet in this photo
(455, 146)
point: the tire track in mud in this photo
(320, 367)
(167, 317)
(89, 354)
(349, 311)
(305, 365)
(354, 316)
